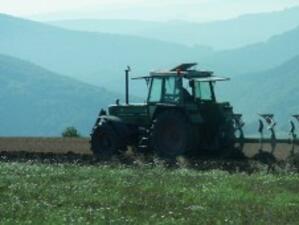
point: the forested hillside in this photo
(35, 101)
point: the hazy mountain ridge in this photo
(35, 101)
(225, 34)
(272, 91)
(90, 57)
(258, 57)
(101, 58)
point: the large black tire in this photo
(171, 135)
(104, 141)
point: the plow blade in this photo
(280, 149)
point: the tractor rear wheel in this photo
(171, 134)
(104, 141)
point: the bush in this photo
(71, 132)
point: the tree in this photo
(70, 132)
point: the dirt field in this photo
(281, 151)
(80, 146)
(46, 145)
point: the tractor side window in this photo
(186, 85)
(156, 90)
(171, 89)
(203, 91)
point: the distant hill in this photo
(272, 91)
(100, 59)
(95, 58)
(226, 34)
(257, 57)
(91, 56)
(37, 102)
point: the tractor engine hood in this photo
(130, 114)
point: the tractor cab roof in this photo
(185, 70)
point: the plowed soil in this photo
(46, 145)
(78, 149)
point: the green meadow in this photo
(36, 193)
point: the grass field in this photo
(35, 193)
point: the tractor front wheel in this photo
(104, 141)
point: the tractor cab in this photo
(192, 92)
(182, 85)
(182, 88)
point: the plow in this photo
(268, 144)
(180, 117)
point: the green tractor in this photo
(181, 116)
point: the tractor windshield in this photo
(155, 93)
(204, 91)
(165, 89)
(171, 90)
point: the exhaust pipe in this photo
(127, 84)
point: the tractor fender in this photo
(194, 118)
(168, 107)
(126, 134)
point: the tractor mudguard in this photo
(193, 116)
(125, 133)
(160, 108)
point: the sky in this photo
(157, 10)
